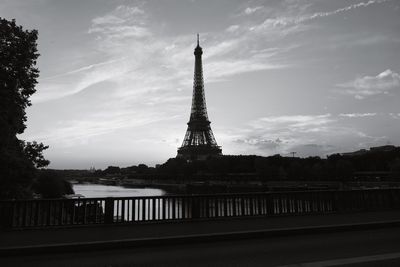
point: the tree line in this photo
(374, 165)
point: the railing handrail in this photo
(111, 210)
(205, 195)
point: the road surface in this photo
(380, 247)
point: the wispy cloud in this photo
(137, 60)
(337, 11)
(120, 15)
(292, 21)
(121, 31)
(279, 134)
(293, 121)
(219, 70)
(395, 115)
(366, 86)
(251, 10)
(78, 131)
(357, 115)
(124, 22)
(75, 81)
(232, 28)
(82, 69)
(308, 135)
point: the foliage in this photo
(50, 184)
(18, 54)
(18, 74)
(395, 168)
(335, 167)
(34, 152)
(112, 170)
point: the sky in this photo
(311, 77)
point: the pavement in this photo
(361, 248)
(13, 242)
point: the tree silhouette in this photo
(51, 184)
(18, 77)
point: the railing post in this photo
(153, 205)
(225, 206)
(270, 204)
(109, 210)
(396, 198)
(6, 214)
(195, 208)
(339, 201)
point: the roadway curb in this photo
(181, 239)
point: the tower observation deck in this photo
(199, 142)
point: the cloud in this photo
(395, 116)
(251, 10)
(296, 121)
(357, 115)
(308, 135)
(139, 59)
(108, 19)
(264, 144)
(121, 23)
(82, 69)
(218, 70)
(279, 134)
(366, 86)
(81, 130)
(120, 15)
(293, 22)
(75, 81)
(232, 28)
(337, 11)
(162, 63)
(359, 39)
(122, 31)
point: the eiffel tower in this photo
(199, 142)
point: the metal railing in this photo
(94, 211)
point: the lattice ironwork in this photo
(199, 141)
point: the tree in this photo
(142, 168)
(18, 77)
(34, 152)
(395, 168)
(344, 170)
(112, 170)
(50, 184)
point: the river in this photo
(99, 191)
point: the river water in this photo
(99, 191)
(133, 209)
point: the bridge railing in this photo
(125, 210)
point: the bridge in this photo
(324, 227)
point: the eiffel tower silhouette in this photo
(199, 142)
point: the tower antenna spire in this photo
(198, 42)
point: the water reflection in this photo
(129, 209)
(98, 191)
